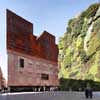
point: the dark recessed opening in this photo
(21, 63)
(44, 76)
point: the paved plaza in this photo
(48, 96)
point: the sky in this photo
(49, 15)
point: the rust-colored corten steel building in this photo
(32, 60)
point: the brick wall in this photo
(30, 75)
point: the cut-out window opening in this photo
(44, 76)
(21, 62)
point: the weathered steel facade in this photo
(32, 61)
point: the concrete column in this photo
(44, 88)
(9, 89)
(39, 89)
(35, 89)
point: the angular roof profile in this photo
(9, 11)
(20, 38)
(17, 23)
(45, 35)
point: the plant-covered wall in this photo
(79, 47)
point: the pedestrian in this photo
(91, 93)
(88, 92)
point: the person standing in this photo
(88, 92)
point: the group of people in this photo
(88, 92)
